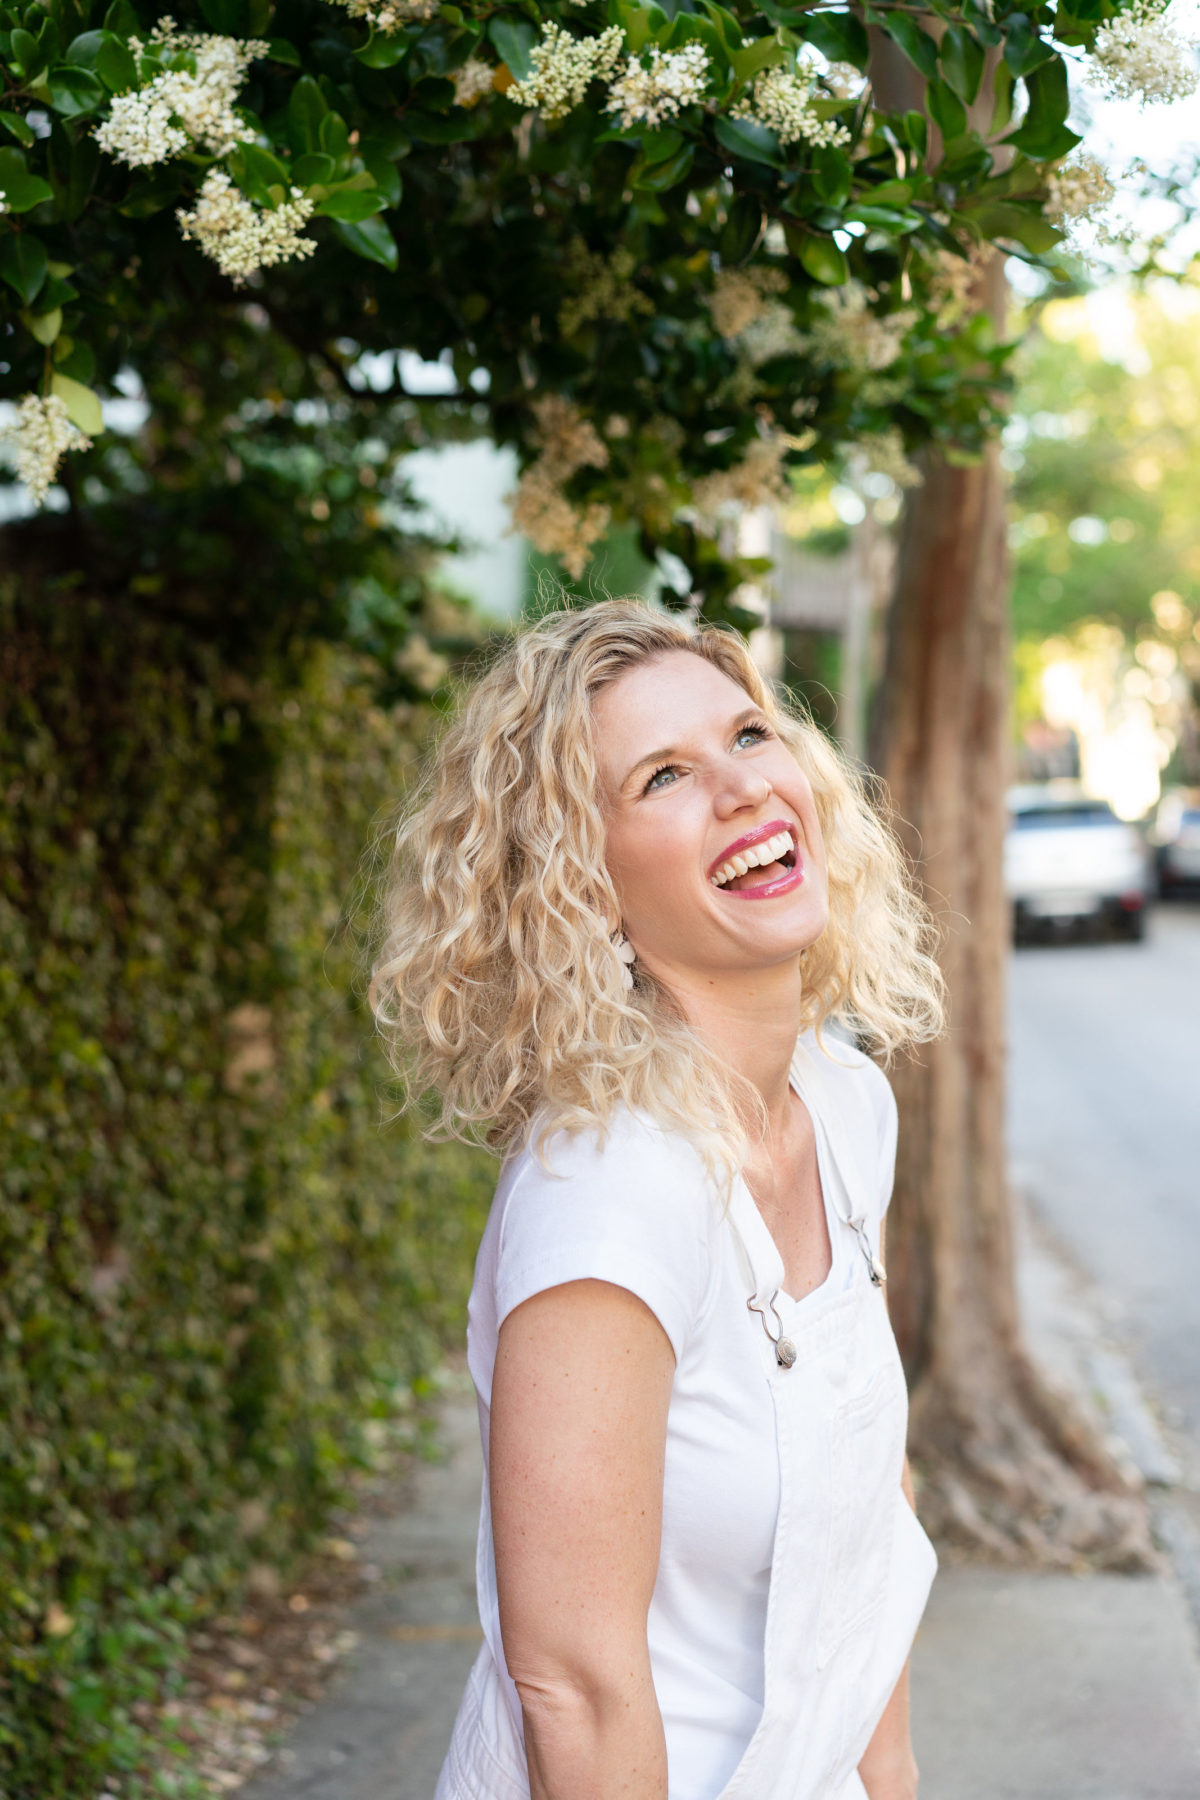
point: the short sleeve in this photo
(633, 1210)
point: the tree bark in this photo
(1009, 1469)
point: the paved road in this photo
(1105, 1133)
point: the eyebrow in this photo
(671, 751)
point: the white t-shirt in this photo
(640, 1211)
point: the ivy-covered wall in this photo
(218, 1266)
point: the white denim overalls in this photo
(852, 1566)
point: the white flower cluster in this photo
(783, 101)
(1138, 56)
(739, 296)
(241, 237)
(1077, 189)
(953, 290)
(390, 15)
(757, 480)
(472, 80)
(604, 288)
(3, 203)
(178, 108)
(883, 453)
(562, 68)
(651, 93)
(540, 510)
(844, 80)
(849, 335)
(38, 441)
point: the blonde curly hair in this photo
(498, 989)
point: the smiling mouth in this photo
(757, 865)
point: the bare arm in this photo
(888, 1768)
(578, 1432)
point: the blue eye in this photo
(654, 782)
(756, 733)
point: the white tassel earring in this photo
(627, 954)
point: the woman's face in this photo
(713, 841)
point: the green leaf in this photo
(23, 263)
(1043, 132)
(724, 22)
(917, 45)
(1002, 103)
(72, 163)
(74, 92)
(657, 146)
(352, 204)
(115, 65)
(57, 291)
(840, 36)
(997, 219)
(17, 127)
(282, 51)
(21, 190)
(46, 326)
(916, 130)
(23, 49)
(121, 19)
(333, 137)
(257, 172)
(370, 239)
(962, 62)
(742, 229)
(513, 39)
(315, 170)
(946, 110)
(663, 175)
(77, 362)
(762, 54)
(748, 139)
(383, 50)
(307, 107)
(385, 175)
(107, 55)
(890, 193)
(82, 404)
(832, 175)
(821, 258)
(1024, 50)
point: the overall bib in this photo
(852, 1566)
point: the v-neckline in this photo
(825, 1167)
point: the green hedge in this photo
(218, 1268)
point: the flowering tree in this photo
(669, 249)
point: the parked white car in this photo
(1070, 862)
(1176, 837)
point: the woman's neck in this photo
(752, 1021)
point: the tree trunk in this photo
(1008, 1470)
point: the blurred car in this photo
(1069, 862)
(1176, 838)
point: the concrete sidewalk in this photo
(1026, 1686)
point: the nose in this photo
(740, 789)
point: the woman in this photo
(631, 895)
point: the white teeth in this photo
(756, 857)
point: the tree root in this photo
(1021, 1477)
